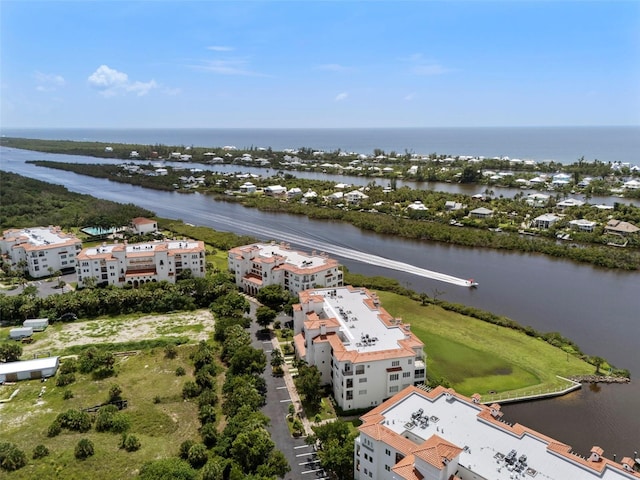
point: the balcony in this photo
(347, 373)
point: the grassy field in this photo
(477, 356)
(144, 378)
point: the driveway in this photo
(280, 394)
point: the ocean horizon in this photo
(559, 144)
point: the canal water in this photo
(598, 309)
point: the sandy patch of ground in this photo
(197, 325)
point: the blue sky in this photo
(319, 64)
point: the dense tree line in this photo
(25, 202)
(187, 294)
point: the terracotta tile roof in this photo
(437, 451)
(405, 469)
(300, 345)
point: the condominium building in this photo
(135, 264)
(261, 264)
(40, 250)
(442, 435)
(361, 351)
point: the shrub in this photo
(54, 429)
(198, 455)
(170, 351)
(120, 423)
(68, 394)
(207, 414)
(65, 379)
(180, 372)
(115, 392)
(130, 443)
(40, 451)
(209, 434)
(74, 420)
(184, 449)
(84, 449)
(69, 366)
(157, 399)
(207, 397)
(190, 390)
(167, 468)
(11, 457)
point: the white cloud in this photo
(333, 67)
(220, 48)
(48, 82)
(409, 97)
(422, 66)
(236, 66)
(111, 82)
(430, 69)
(341, 96)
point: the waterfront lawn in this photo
(476, 356)
(159, 417)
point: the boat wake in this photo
(348, 253)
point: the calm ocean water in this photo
(561, 144)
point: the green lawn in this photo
(161, 427)
(477, 356)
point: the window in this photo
(410, 361)
(387, 468)
(362, 392)
(64, 263)
(349, 382)
(387, 452)
(359, 369)
(362, 380)
(36, 268)
(349, 394)
(393, 377)
(395, 363)
(393, 389)
(406, 374)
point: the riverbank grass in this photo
(479, 357)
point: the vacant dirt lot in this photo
(197, 325)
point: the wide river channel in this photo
(598, 309)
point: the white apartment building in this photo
(135, 264)
(364, 353)
(442, 435)
(44, 249)
(261, 264)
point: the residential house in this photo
(361, 351)
(451, 206)
(537, 199)
(481, 213)
(142, 226)
(355, 197)
(569, 202)
(275, 191)
(583, 225)
(545, 221)
(620, 227)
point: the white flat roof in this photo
(141, 247)
(362, 326)
(457, 421)
(39, 236)
(28, 365)
(292, 257)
